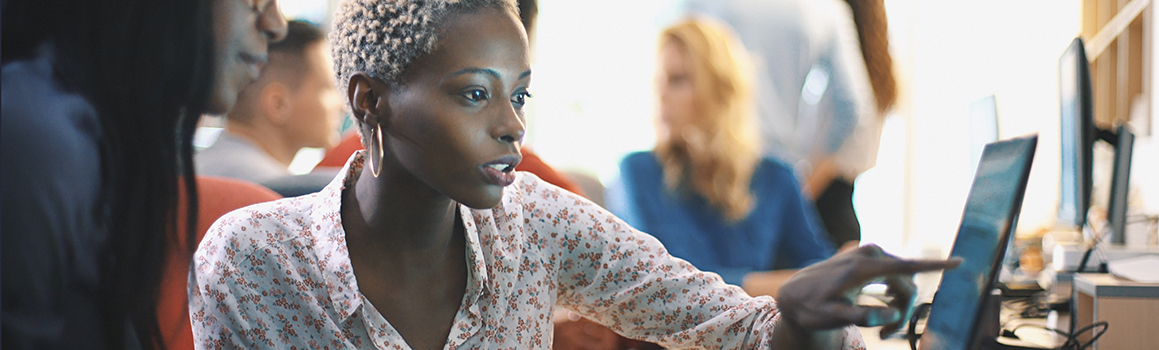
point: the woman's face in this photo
(456, 121)
(675, 89)
(243, 30)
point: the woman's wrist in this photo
(791, 335)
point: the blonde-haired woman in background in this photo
(705, 191)
(826, 85)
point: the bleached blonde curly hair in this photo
(383, 37)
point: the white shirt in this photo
(236, 157)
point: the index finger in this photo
(902, 266)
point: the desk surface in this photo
(1031, 337)
(1107, 285)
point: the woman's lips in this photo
(501, 172)
(499, 177)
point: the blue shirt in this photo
(782, 226)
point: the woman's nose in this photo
(272, 23)
(510, 127)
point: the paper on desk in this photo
(1141, 269)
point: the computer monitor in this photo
(1120, 185)
(988, 223)
(1078, 134)
(1078, 137)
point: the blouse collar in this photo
(334, 257)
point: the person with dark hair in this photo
(429, 239)
(826, 85)
(294, 104)
(100, 100)
(528, 11)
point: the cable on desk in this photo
(1072, 342)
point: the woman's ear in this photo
(368, 99)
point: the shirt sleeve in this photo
(217, 290)
(625, 279)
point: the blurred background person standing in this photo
(826, 84)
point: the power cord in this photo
(1072, 341)
(1096, 238)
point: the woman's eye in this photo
(475, 95)
(521, 98)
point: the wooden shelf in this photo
(1118, 44)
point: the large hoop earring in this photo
(376, 153)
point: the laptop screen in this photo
(987, 224)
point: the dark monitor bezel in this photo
(1077, 135)
(1120, 184)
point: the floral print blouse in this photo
(277, 275)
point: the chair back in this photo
(217, 196)
(337, 156)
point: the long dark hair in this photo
(873, 33)
(147, 68)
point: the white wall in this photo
(592, 81)
(953, 52)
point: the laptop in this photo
(987, 224)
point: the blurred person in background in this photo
(293, 105)
(100, 101)
(825, 81)
(704, 191)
